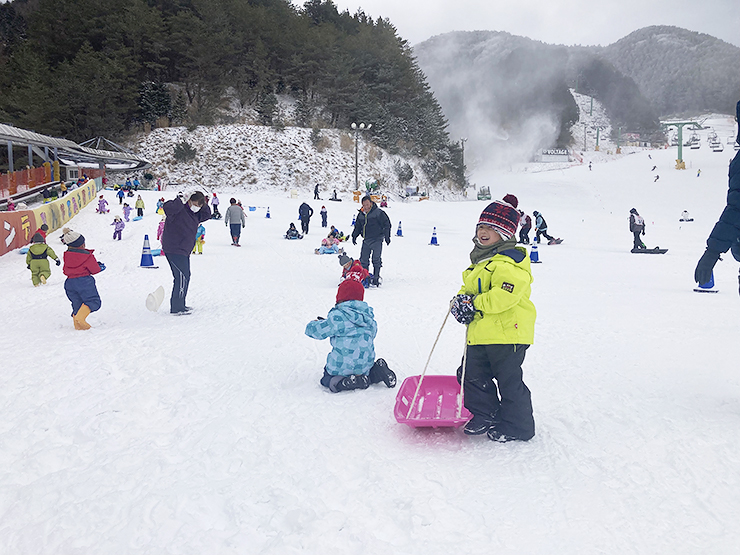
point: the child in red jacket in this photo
(79, 267)
(352, 269)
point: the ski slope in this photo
(210, 434)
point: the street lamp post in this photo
(462, 156)
(357, 128)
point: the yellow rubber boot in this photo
(43, 279)
(79, 318)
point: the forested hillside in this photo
(679, 71)
(82, 68)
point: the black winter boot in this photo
(381, 373)
(349, 383)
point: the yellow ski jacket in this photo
(501, 286)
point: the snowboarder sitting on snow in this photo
(637, 227)
(292, 232)
(79, 267)
(37, 261)
(726, 232)
(494, 304)
(351, 328)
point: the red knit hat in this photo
(511, 199)
(350, 290)
(501, 216)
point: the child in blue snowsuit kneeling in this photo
(351, 327)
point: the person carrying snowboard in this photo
(726, 232)
(374, 226)
(637, 227)
(351, 328)
(494, 304)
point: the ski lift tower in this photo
(680, 164)
(598, 130)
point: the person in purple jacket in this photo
(178, 240)
(118, 222)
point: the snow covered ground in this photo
(210, 434)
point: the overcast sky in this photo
(585, 22)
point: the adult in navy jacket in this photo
(374, 226)
(178, 240)
(726, 232)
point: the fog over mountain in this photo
(509, 95)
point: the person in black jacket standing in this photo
(374, 226)
(304, 213)
(726, 232)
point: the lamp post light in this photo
(357, 128)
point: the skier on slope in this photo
(726, 233)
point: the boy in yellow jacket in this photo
(494, 304)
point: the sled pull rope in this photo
(462, 377)
(421, 378)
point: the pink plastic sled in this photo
(436, 405)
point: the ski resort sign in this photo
(554, 155)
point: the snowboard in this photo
(555, 241)
(656, 250)
(700, 290)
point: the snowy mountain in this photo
(679, 71)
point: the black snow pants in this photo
(543, 232)
(374, 247)
(524, 235)
(637, 244)
(494, 384)
(180, 266)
